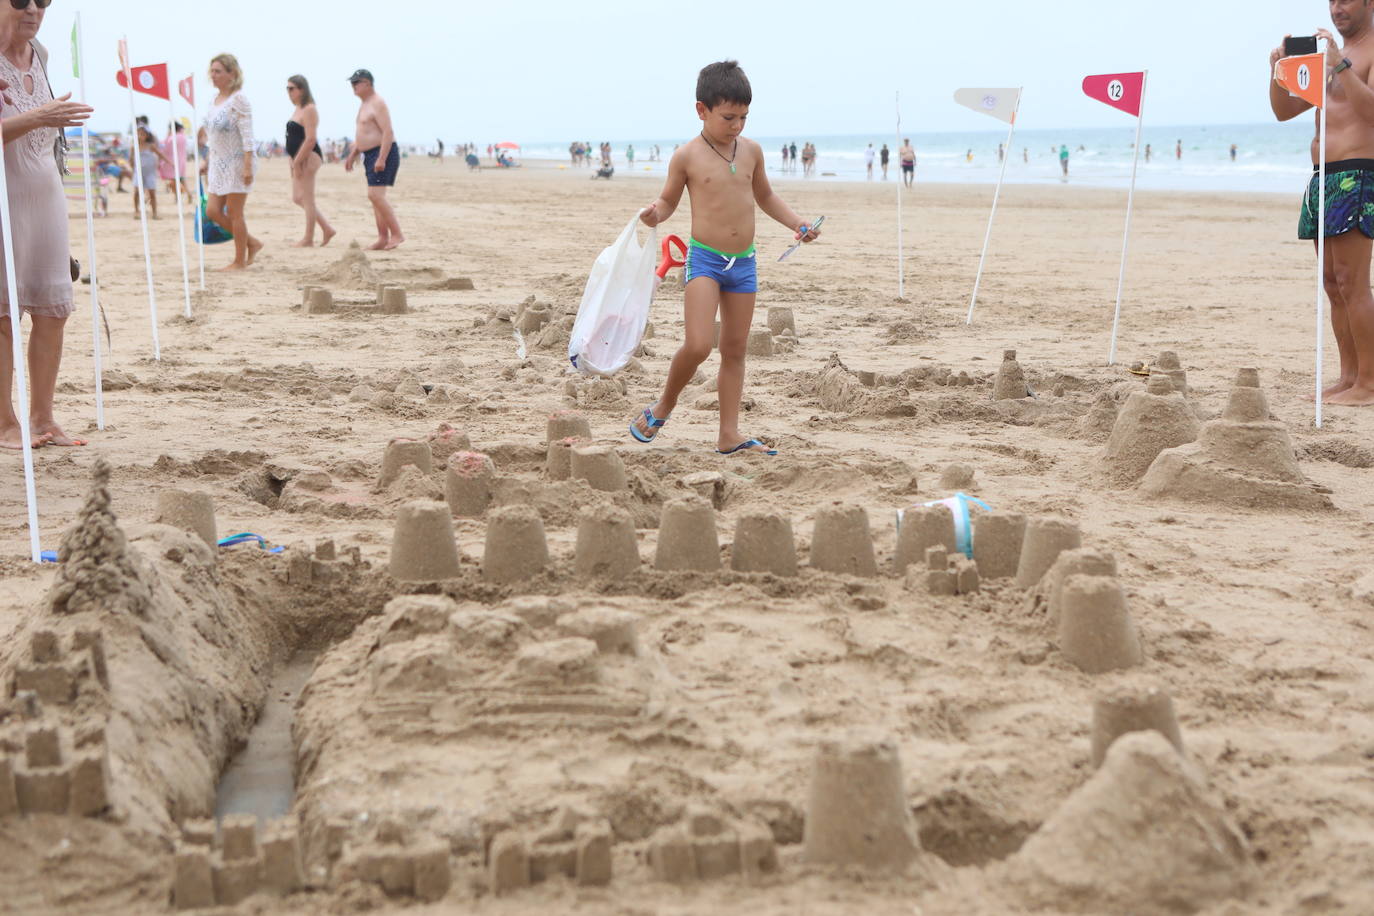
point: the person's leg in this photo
(736, 315)
(214, 208)
(45, 358)
(1340, 324)
(11, 436)
(699, 319)
(376, 196)
(1350, 263)
(312, 169)
(298, 198)
(388, 227)
(152, 201)
(245, 246)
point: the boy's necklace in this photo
(733, 151)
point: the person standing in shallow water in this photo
(306, 159)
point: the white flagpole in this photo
(901, 265)
(20, 368)
(1130, 201)
(136, 150)
(1321, 238)
(178, 162)
(90, 233)
(1006, 155)
(195, 145)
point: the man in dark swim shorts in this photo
(386, 178)
(381, 158)
(1349, 192)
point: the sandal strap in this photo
(653, 421)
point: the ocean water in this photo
(1269, 158)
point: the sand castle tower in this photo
(1243, 458)
(1126, 708)
(1082, 561)
(1149, 422)
(399, 453)
(1096, 632)
(468, 483)
(600, 466)
(189, 510)
(997, 539)
(97, 569)
(1045, 539)
(687, 536)
(445, 440)
(423, 548)
(606, 544)
(567, 424)
(857, 812)
(1168, 364)
(764, 543)
(923, 527)
(842, 543)
(1011, 380)
(516, 548)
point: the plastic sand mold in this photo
(963, 528)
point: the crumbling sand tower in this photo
(399, 453)
(606, 543)
(1243, 458)
(1010, 383)
(446, 440)
(1081, 561)
(1132, 707)
(687, 536)
(423, 548)
(997, 538)
(1142, 835)
(567, 424)
(558, 458)
(1045, 538)
(516, 548)
(780, 319)
(1149, 422)
(306, 292)
(923, 527)
(764, 543)
(1168, 364)
(468, 484)
(956, 476)
(707, 846)
(97, 570)
(760, 342)
(409, 387)
(189, 511)
(857, 813)
(841, 541)
(1096, 632)
(600, 466)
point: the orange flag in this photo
(1302, 76)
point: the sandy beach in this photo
(452, 723)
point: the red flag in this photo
(1119, 90)
(187, 88)
(123, 54)
(1302, 76)
(151, 80)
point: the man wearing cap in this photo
(381, 158)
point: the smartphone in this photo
(1295, 45)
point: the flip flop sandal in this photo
(747, 445)
(653, 423)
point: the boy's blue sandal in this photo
(652, 422)
(745, 445)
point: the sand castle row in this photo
(52, 770)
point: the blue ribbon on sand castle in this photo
(963, 527)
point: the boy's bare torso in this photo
(369, 130)
(722, 203)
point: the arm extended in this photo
(60, 113)
(769, 202)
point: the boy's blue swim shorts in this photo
(736, 273)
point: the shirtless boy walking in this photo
(381, 158)
(1349, 193)
(723, 173)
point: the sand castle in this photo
(781, 320)
(1010, 383)
(391, 300)
(956, 477)
(706, 846)
(687, 536)
(97, 570)
(1148, 423)
(321, 301)
(1167, 364)
(206, 875)
(1096, 632)
(1081, 561)
(764, 543)
(402, 866)
(576, 845)
(600, 466)
(468, 484)
(446, 440)
(1243, 458)
(921, 528)
(760, 342)
(423, 548)
(567, 424)
(401, 453)
(842, 543)
(857, 813)
(997, 540)
(57, 772)
(606, 543)
(558, 458)
(950, 573)
(57, 674)
(516, 548)
(1045, 538)
(1127, 708)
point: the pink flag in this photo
(187, 88)
(1119, 90)
(150, 80)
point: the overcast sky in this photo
(534, 70)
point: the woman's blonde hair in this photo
(230, 63)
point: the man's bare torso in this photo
(1348, 136)
(369, 131)
(722, 203)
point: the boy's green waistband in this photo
(743, 254)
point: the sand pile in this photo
(353, 270)
(1143, 835)
(1148, 423)
(1243, 458)
(1010, 383)
(840, 391)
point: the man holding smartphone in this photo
(1349, 188)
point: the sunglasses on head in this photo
(24, 4)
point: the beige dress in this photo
(38, 208)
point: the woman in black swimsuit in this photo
(306, 159)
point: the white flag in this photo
(1000, 103)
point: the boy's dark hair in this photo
(722, 82)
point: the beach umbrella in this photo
(506, 144)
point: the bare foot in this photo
(378, 245)
(328, 234)
(304, 243)
(52, 434)
(253, 248)
(1330, 390)
(396, 242)
(12, 440)
(234, 266)
(1354, 396)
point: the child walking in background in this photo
(723, 173)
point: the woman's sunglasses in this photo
(24, 4)
(292, 88)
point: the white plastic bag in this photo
(615, 305)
